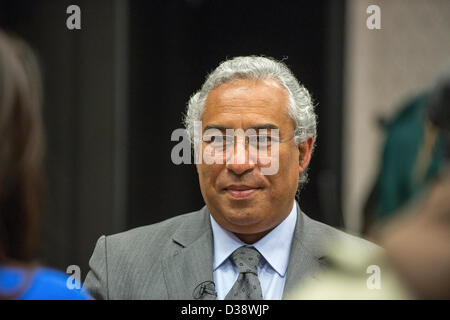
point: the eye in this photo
(229, 140)
(217, 139)
(213, 138)
(264, 139)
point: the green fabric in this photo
(405, 135)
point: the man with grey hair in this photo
(251, 240)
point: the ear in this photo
(305, 149)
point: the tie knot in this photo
(246, 259)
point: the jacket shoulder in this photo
(321, 236)
(125, 265)
(156, 234)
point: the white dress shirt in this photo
(275, 248)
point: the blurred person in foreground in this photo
(416, 262)
(412, 156)
(22, 179)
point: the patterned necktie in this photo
(247, 286)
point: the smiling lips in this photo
(240, 192)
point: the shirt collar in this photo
(275, 247)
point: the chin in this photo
(242, 217)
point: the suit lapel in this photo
(302, 261)
(192, 265)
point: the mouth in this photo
(240, 192)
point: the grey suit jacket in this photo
(168, 260)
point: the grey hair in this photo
(300, 107)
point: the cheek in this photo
(208, 175)
(287, 176)
(292, 162)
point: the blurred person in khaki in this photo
(416, 262)
(22, 179)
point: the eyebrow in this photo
(265, 126)
(215, 126)
(256, 127)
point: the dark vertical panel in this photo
(101, 77)
(121, 110)
(162, 76)
(329, 178)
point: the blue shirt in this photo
(45, 284)
(275, 248)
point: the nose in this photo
(239, 161)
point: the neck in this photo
(251, 238)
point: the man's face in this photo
(240, 198)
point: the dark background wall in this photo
(116, 89)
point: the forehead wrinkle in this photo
(247, 121)
(248, 92)
(245, 104)
(231, 98)
(247, 109)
